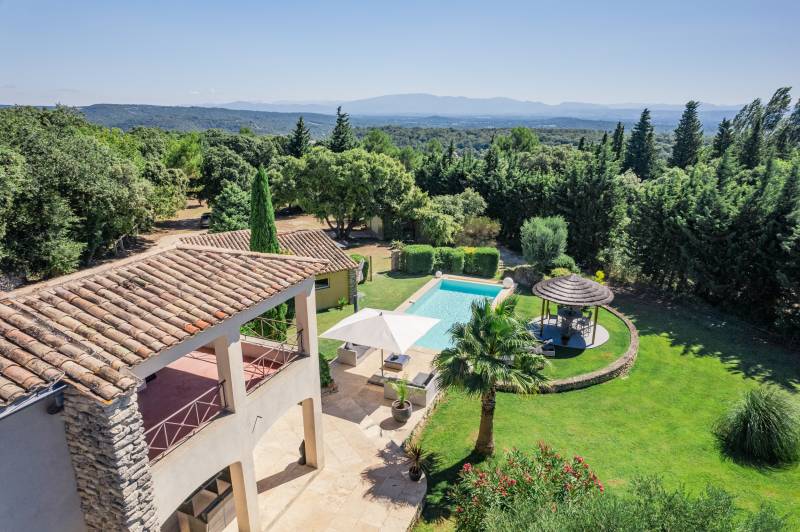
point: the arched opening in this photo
(210, 508)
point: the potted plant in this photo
(401, 407)
(419, 461)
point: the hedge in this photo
(449, 260)
(481, 261)
(365, 269)
(418, 258)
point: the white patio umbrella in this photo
(393, 331)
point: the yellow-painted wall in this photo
(329, 297)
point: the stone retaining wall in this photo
(619, 367)
(109, 456)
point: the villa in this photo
(337, 280)
(130, 400)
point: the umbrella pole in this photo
(383, 379)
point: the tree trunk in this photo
(485, 443)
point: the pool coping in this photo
(413, 298)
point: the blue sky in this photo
(78, 52)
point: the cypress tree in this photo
(752, 148)
(582, 144)
(618, 141)
(342, 137)
(640, 155)
(263, 233)
(688, 138)
(724, 137)
(300, 140)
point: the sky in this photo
(198, 52)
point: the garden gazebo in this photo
(572, 293)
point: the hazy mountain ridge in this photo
(127, 116)
(427, 105)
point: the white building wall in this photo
(38, 487)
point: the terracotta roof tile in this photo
(90, 328)
(305, 243)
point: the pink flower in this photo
(467, 468)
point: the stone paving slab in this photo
(365, 484)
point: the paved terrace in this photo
(365, 484)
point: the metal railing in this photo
(283, 344)
(177, 427)
(280, 331)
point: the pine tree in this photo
(300, 141)
(618, 141)
(723, 139)
(640, 155)
(263, 233)
(688, 138)
(582, 144)
(752, 148)
(342, 137)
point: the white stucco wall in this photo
(38, 487)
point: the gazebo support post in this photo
(594, 329)
(541, 319)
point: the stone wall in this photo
(619, 367)
(109, 457)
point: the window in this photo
(322, 284)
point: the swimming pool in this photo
(449, 301)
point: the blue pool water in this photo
(449, 301)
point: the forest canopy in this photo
(712, 214)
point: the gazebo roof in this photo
(573, 290)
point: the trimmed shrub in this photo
(481, 261)
(763, 427)
(566, 262)
(418, 258)
(364, 268)
(559, 272)
(449, 260)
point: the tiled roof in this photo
(305, 243)
(90, 327)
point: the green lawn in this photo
(692, 364)
(386, 291)
(570, 362)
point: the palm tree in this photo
(492, 349)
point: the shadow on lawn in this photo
(704, 332)
(437, 506)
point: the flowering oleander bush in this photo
(542, 477)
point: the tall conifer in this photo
(300, 140)
(618, 141)
(640, 155)
(688, 138)
(723, 139)
(263, 233)
(342, 137)
(753, 144)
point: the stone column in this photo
(245, 494)
(230, 368)
(109, 456)
(305, 313)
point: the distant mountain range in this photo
(429, 105)
(406, 110)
